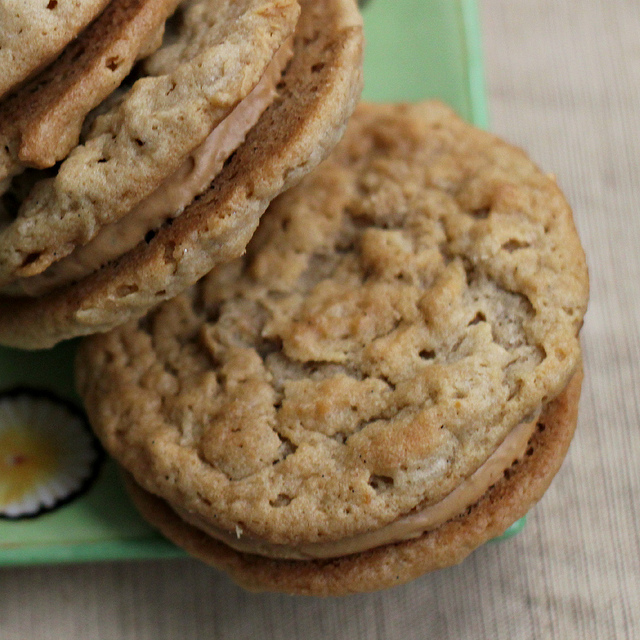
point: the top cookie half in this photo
(396, 315)
(41, 122)
(33, 33)
(221, 52)
(131, 169)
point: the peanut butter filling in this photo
(193, 176)
(412, 525)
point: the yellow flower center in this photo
(26, 461)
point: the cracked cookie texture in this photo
(41, 123)
(395, 316)
(33, 33)
(219, 54)
(313, 99)
(390, 565)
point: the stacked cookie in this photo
(386, 378)
(163, 166)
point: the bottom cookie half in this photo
(522, 485)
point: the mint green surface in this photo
(415, 49)
(515, 528)
(51, 369)
(418, 49)
(101, 524)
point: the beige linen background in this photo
(564, 82)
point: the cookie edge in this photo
(508, 500)
(95, 304)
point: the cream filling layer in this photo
(193, 176)
(413, 525)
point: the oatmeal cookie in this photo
(310, 105)
(32, 34)
(374, 362)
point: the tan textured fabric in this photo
(564, 83)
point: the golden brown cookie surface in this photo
(32, 34)
(318, 92)
(523, 484)
(396, 315)
(41, 123)
(224, 49)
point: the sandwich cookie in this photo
(41, 123)
(132, 216)
(222, 51)
(520, 487)
(33, 33)
(341, 409)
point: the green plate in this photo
(415, 49)
(418, 49)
